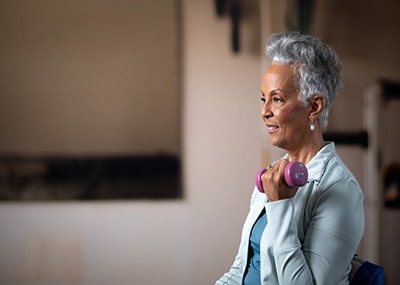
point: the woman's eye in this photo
(276, 100)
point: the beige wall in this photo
(89, 77)
(191, 241)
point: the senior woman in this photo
(306, 235)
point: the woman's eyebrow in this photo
(276, 90)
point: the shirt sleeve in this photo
(234, 275)
(330, 240)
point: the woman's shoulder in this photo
(330, 171)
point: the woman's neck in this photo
(305, 153)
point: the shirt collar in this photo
(317, 165)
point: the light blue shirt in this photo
(312, 237)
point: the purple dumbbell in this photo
(296, 175)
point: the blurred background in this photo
(71, 83)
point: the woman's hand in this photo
(274, 184)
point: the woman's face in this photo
(285, 116)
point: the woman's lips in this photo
(272, 128)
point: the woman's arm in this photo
(331, 238)
(234, 275)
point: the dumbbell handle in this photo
(295, 174)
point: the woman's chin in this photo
(277, 143)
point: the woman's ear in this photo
(316, 106)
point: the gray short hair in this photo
(315, 63)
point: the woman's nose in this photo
(266, 112)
